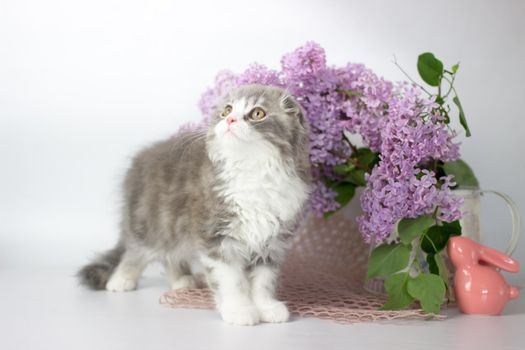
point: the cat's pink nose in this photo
(230, 120)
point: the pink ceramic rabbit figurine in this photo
(479, 287)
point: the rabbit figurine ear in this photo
(498, 259)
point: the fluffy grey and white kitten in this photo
(219, 203)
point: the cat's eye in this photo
(227, 110)
(257, 114)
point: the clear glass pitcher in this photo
(470, 222)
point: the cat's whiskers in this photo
(191, 141)
(188, 137)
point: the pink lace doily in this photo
(322, 277)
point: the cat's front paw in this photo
(274, 312)
(241, 315)
(119, 283)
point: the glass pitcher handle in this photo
(516, 219)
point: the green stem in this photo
(432, 243)
(451, 86)
(352, 146)
(409, 78)
(434, 214)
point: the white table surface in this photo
(45, 309)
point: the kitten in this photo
(220, 202)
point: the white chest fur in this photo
(263, 193)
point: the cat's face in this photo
(258, 116)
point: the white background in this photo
(85, 84)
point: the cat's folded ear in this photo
(291, 106)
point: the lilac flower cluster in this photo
(413, 135)
(394, 120)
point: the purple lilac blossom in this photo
(397, 188)
(393, 119)
(322, 199)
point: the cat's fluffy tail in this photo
(96, 274)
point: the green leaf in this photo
(463, 174)
(430, 68)
(453, 228)
(446, 117)
(387, 259)
(439, 170)
(409, 229)
(357, 177)
(345, 192)
(366, 157)
(342, 169)
(462, 118)
(432, 264)
(443, 269)
(352, 93)
(429, 289)
(436, 237)
(434, 240)
(327, 214)
(455, 68)
(396, 287)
